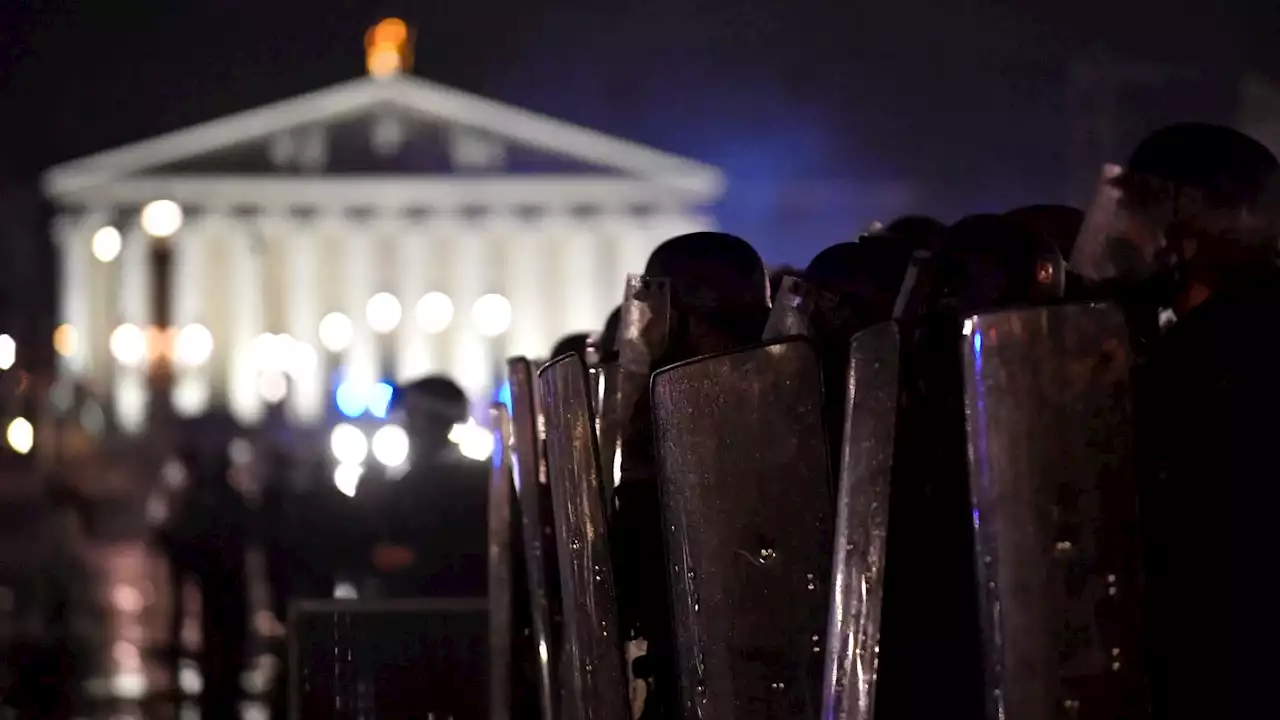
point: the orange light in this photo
(66, 340)
(391, 30)
(383, 60)
(388, 48)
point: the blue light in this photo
(380, 400)
(352, 400)
(504, 395)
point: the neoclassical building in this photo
(376, 230)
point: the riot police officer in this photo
(1196, 222)
(432, 521)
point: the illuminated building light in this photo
(388, 48)
(390, 445)
(346, 477)
(20, 435)
(8, 351)
(106, 244)
(336, 332)
(383, 313)
(161, 218)
(433, 313)
(66, 340)
(194, 345)
(191, 395)
(491, 315)
(348, 444)
(273, 386)
(473, 441)
(128, 345)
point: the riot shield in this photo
(501, 615)
(862, 519)
(794, 310)
(538, 531)
(642, 336)
(1048, 401)
(594, 646)
(1101, 250)
(745, 494)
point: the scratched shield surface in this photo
(1048, 403)
(862, 522)
(533, 496)
(747, 506)
(597, 688)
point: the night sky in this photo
(826, 115)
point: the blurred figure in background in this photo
(210, 539)
(431, 524)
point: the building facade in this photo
(375, 231)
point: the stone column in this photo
(302, 298)
(579, 252)
(246, 322)
(531, 285)
(191, 386)
(414, 277)
(74, 238)
(130, 392)
(361, 363)
(467, 280)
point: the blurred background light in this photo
(383, 313)
(336, 332)
(106, 243)
(491, 315)
(378, 400)
(66, 340)
(161, 218)
(346, 477)
(433, 313)
(352, 398)
(193, 346)
(390, 445)
(8, 351)
(273, 386)
(348, 444)
(128, 345)
(473, 440)
(20, 435)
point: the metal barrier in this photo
(391, 659)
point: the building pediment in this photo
(401, 130)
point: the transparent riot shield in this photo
(501, 615)
(1106, 247)
(1048, 401)
(598, 687)
(538, 531)
(794, 310)
(746, 502)
(862, 519)
(642, 336)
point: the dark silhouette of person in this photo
(211, 537)
(1203, 197)
(433, 521)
